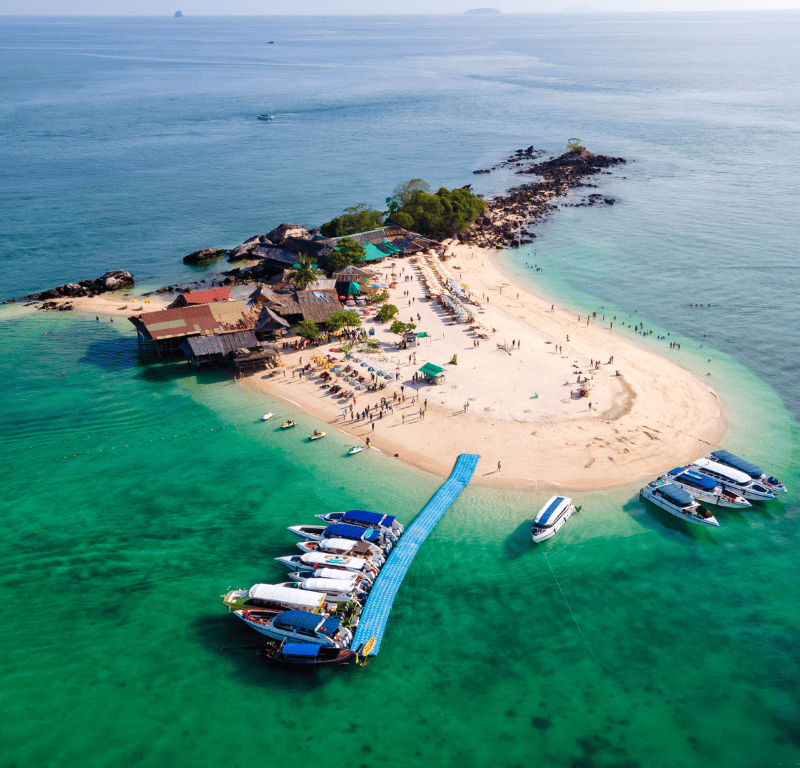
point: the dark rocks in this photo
(482, 171)
(203, 256)
(243, 251)
(54, 306)
(281, 232)
(110, 281)
(609, 200)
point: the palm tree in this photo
(305, 274)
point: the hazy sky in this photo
(323, 7)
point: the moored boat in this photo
(344, 531)
(365, 520)
(704, 488)
(677, 502)
(335, 590)
(317, 435)
(271, 598)
(551, 517)
(318, 560)
(374, 555)
(305, 655)
(733, 480)
(300, 627)
(332, 573)
(288, 424)
(753, 470)
(267, 416)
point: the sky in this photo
(329, 7)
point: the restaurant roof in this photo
(196, 320)
(209, 296)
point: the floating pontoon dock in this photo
(379, 603)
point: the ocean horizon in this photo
(137, 492)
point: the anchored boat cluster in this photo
(310, 620)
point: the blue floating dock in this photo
(379, 603)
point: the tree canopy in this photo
(305, 274)
(343, 319)
(347, 252)
(399, 327)
(386, 312)
(307, 329)
(358, 218)
(574, 145)
(442, 214)
(402, 192)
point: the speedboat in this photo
(344, 531)
(317, 435)
(733, 480)
(677, 502)
(551, 517)
(372, 554)
(335, 590)
(266, 118)
(267, 416)
(732, 460)
(305, 655)
(300, 627)
(704, 488)
(385, 523)
(319, 560)
(332, 573)
(355, 449)
(288, 424)
(271, 598)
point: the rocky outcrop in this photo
(280, 233)
(203, 256)
(110, 281)
(507, 220)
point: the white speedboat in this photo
(300, 627)
(704, 488)
(677, 502)
(372, 554)
(267, 416)
(551, 517)
(335, 590)
(272, 598)
(732, 460)
(332, 573)
(733, 480)
(318, 560)
(385, 523)
(344, 531)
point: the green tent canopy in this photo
(353, 288)
(429, 369)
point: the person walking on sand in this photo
(404, 418)
(498, 466)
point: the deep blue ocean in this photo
(133, 495)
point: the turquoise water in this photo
(134, 495)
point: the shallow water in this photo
(134, 495)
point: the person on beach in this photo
(498, 466)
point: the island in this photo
(178, 15)
(482, 11)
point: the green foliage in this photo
(440, 215)
(399, 327)
(379, 298)
(574, 145)
(306, 274)
(343, 319)
(347, 252)
(454, 361)
(359, 218)
(306, 329)
(402, 192)
(386, 312)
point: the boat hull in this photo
(733, 501)
(710, 522)
(548, 533)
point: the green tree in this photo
(399, 327)
(379, 298)
(306, 329)
(574, 145)
(386, 312)
(343, 319)
(443, 214)
(347, 252)
(305, 274)
(358, 218)
(402, 192)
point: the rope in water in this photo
(583, 637)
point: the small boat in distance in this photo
(677, 502)
(317, 435)
(704, 488)
(732, 460)
(733, 480)
(288, 424)
(267, 416)
(266, 118)
(551, 517)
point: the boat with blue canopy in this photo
(733, 480)
(361, 517)
(300, 627)
(729, 459)
(678, 502)
(343, 531)
(704, 488)
(305, 655)
(551, 517)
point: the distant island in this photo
(178, 15)
(482, 10)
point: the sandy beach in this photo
(519, 410)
